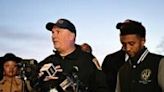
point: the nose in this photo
(11, 69)
(53, 35)
(126, 48)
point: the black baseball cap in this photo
(131, 27)
(62, 23)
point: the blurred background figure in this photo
(1, 73)
(11, 78)
(111, 65)
(87, 48)
(10, 81)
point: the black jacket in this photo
(111, 66)
(140, 76)
(89, 76)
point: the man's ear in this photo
(143, 41)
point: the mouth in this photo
(54, 41)
(130, 54)
(11, 72)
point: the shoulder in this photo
(155, 56)
(48, 59)
(88, 59)
(116, 57)
(116, 54)
(80, 53)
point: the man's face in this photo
(61, 38)
(132, 44)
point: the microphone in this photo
(74, 72)
(48, 70)
(71, 79)
(39, 80)
(75, 69)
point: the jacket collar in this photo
(72, 55)
(140, 56)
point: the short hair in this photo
(131, 27)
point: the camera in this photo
(27, 68)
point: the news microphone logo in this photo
(48, 69)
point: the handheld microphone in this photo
(48, 70)
(39, 80)
(71, 79)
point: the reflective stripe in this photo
(143, 56)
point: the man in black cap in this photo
(72, 65)
(144, 71)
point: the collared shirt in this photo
(11, 85)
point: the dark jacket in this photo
(110, 67)
(90, 77)
(141, 76)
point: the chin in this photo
(132, 56)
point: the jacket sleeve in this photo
(161, 74)
(100, 82)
